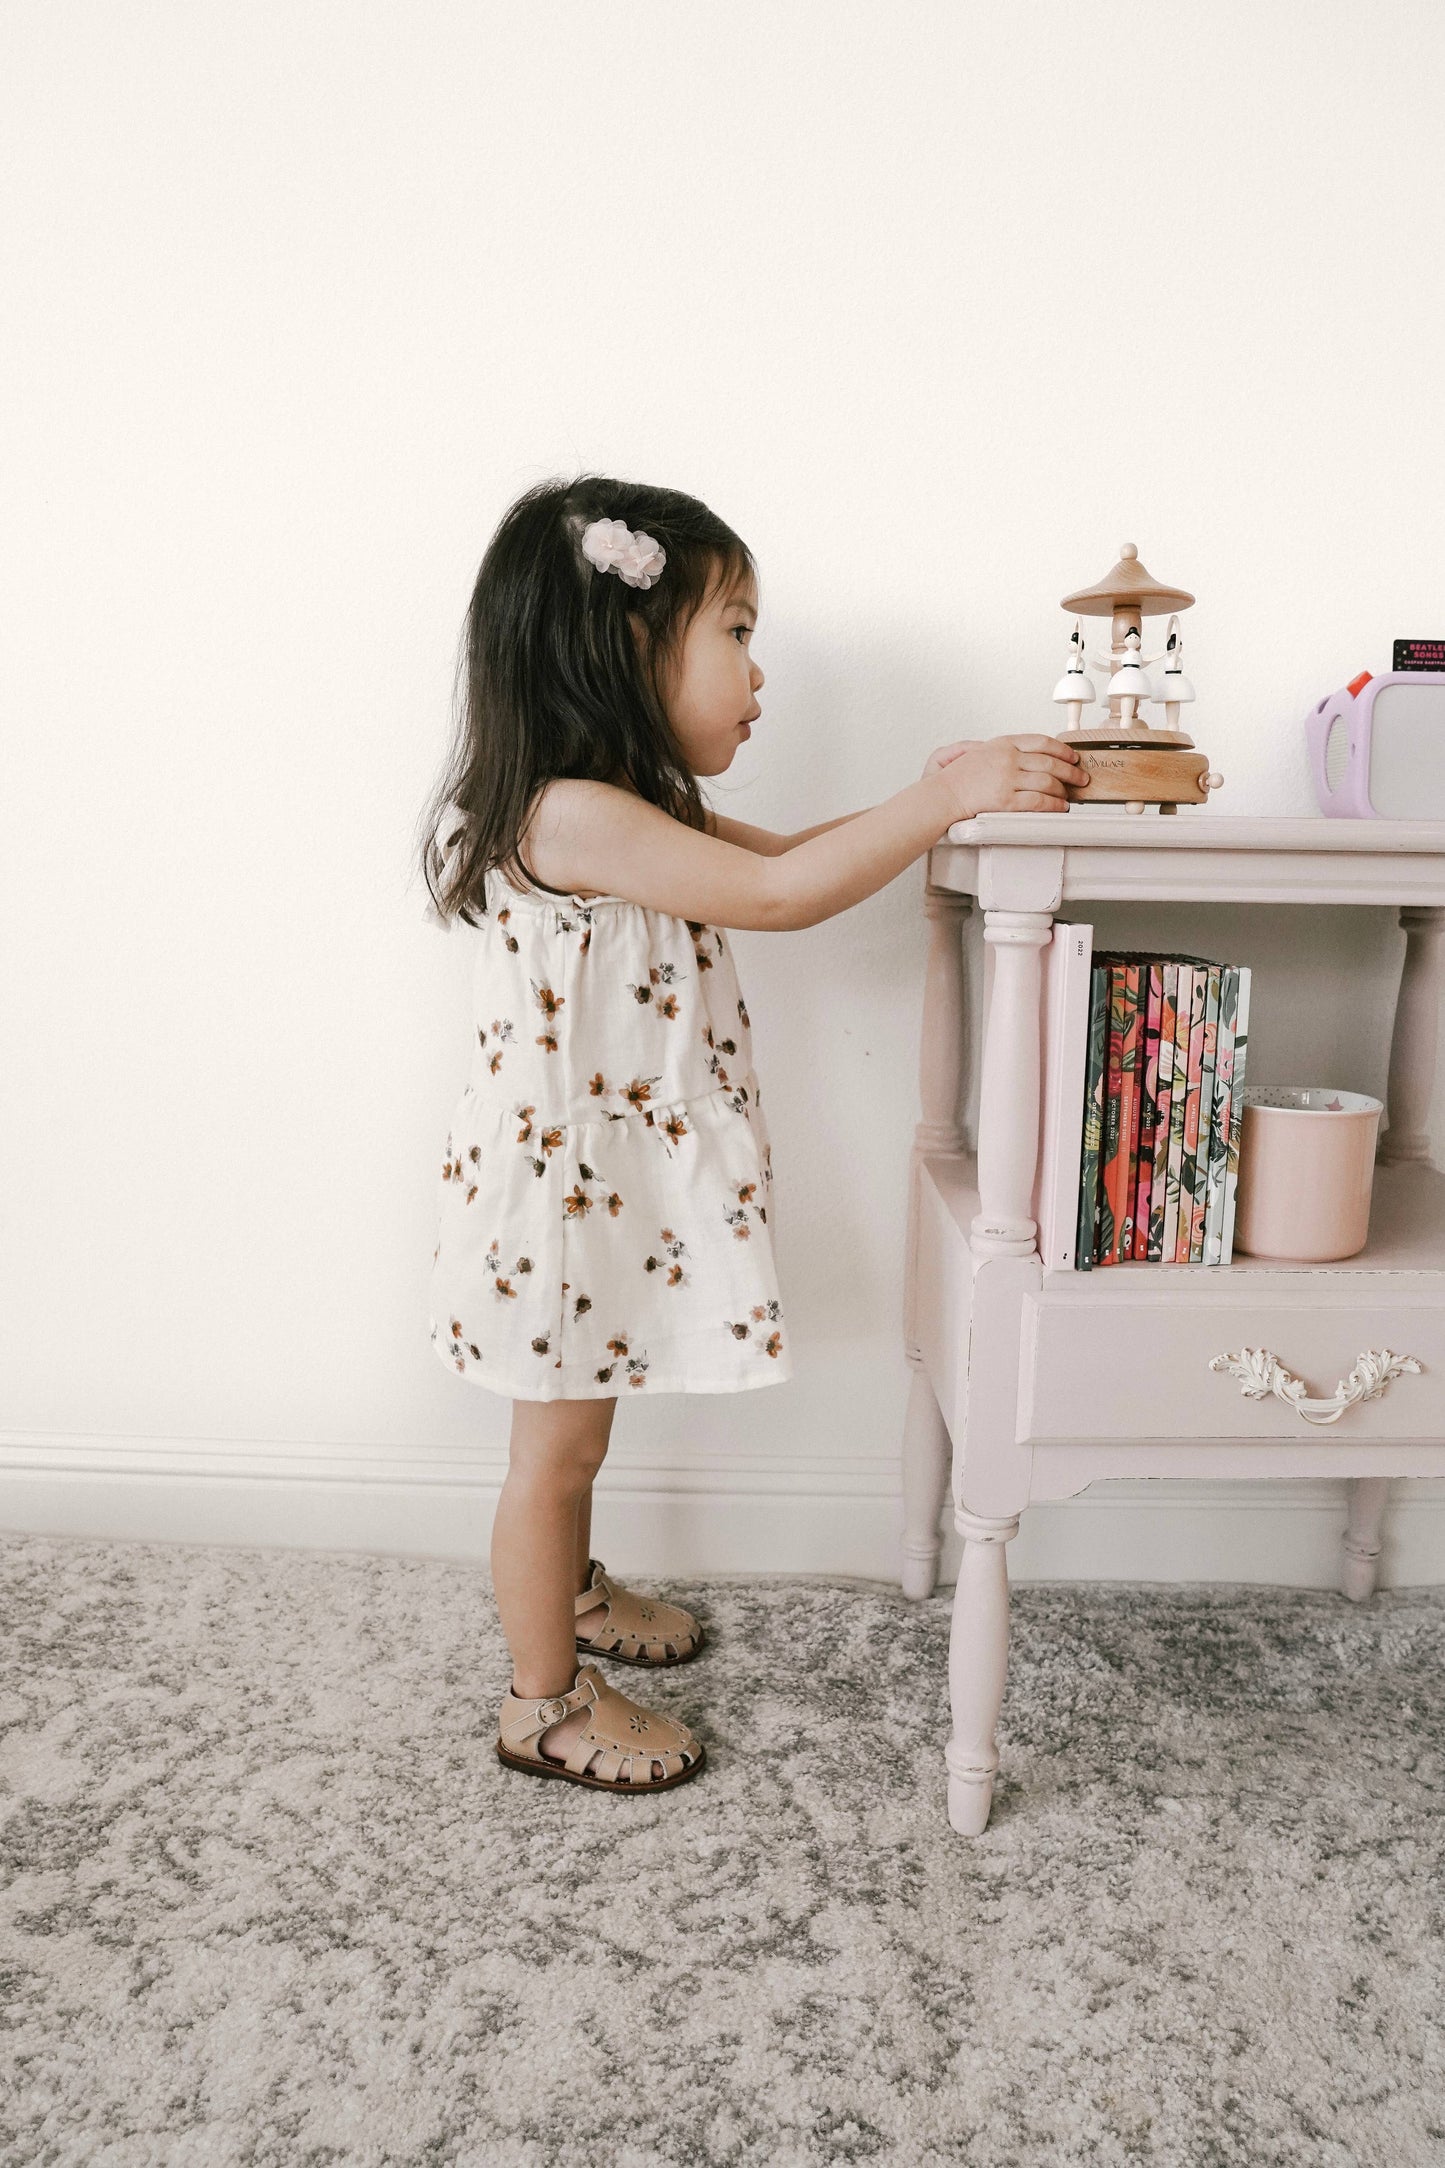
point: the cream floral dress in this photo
(605, 1218)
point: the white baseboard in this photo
(710, 1513)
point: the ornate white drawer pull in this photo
(1260, 1373)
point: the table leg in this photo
(1408, 1094)
(927, 1455)
(927, 1446)
(977, 1667)
(1008, 1106)
(1415, 1038)
(1360, 1556)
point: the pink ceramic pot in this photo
(1306, 1169)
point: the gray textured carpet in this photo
(270, 1897)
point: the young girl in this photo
(606, 1220)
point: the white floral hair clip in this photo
(612, 546)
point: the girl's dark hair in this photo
(551, 678)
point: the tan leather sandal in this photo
(636, 1629)
(619, 1740)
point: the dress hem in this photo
(778, 1372)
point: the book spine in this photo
(1236, 1115)
(1050, 990)
(1168, 996)
(1206, 1114)
(1219, 1122)
(1106, 1248)
(1183, 1000)
(1192, 1073)
(1093, 1117)
(1150, 987)
(1131, 1066)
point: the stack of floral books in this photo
(1142, 1108)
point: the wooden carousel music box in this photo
(1127, 762)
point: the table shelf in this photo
(1407, 1232)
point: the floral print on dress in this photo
(754, 1329)
(673, 1247)
(630, 1103)
(549, 1004)
(589, 1190)
(635, 1366)
(704, 937)
(502, 1030)
(542, 1142)
(737, 1215)
(644, 992)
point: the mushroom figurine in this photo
(1130, 682)
(1074, 687)
(1174, 686)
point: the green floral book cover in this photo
(1219, 1121)
(1206, 1114)
(1093, 1117)
(1168, 1024)
(1236, 1115)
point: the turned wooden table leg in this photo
(1415, 1038)
(927, 1451)
(1411, 1087)
(927, 1447)
(1008, 1105)
(1360, 1555)
(977, 1667)
(1008, 1140)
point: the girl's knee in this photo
(564, 1441)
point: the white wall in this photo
(936, 305)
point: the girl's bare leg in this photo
(540, 1533)
(584, 1549)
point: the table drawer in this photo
(1120, 1364)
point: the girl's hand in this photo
(944, 755)
(1023, 773)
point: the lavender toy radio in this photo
(1376, 748)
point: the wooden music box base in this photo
(1165, 772)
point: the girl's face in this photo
(712, 699)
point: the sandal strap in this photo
(631, 1622)
(524, 1721)
(598, 1586)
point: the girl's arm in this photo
(766, 840)
(598, 836)
(804, 834)
(771, 844)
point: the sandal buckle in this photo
(556, 1703)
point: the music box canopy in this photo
(1129, 586)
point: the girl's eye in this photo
(742, 628)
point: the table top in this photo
(1038, 860)
(1195, 830)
